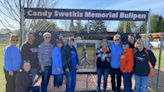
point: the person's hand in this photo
(42, 68)
(59, 70)
(30, 90)
(77, 66)
(67, 69)
(11, 74)
(107, 59)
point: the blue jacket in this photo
(56, 61)
(116, 52)
(12, 59)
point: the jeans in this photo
(105, 73)
(58, 80)
(127, 82)
(35, 89)
(45, 78)
(33, 74)
(118, 73)
(10, 81)
(71, 80)
(141, 83)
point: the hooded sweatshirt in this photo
(144, 62)
(127, 61)
(116, 52)
(23, 81)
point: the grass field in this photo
(2, 76)
(90, 51)
(156, 53)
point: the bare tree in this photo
(65, 24)
(10, 12)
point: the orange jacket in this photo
(127, 61)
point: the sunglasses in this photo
(60, 43)
(117, 40)
(47, 37)
(14, 40)
(26, 61)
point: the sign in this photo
(81, 14)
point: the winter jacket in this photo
(127, 61)
(67, 57)
(23, 81)
(101, 58)
(144, 61)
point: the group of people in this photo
(121, 58)
(125, 58)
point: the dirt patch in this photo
(92, 82)
(81, 83)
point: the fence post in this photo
(159, 64)
(87, 83)
(22, 24)
(147, 29)
(88, 27)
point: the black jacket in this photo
(141, 65)
(67, 57)
(30, 52)
(101, 58)
(23, 82)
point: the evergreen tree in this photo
(98, 26)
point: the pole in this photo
(147, 29)
(159, 64)
(88, 27)
(125, 26)
(22, 24)
(87, 83)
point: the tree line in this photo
(156, 25)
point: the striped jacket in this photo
(101, 58)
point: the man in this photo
(29, 51)
(70, 64)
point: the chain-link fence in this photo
(89, 32)
(79, 30)
(156, 81)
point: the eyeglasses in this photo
(47, 37)
(14, 40)
(117, 40)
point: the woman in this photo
(23, 79)
(45, 61)
(29, 51)
(12, 63)
(144, 61)
(57, 68)
(131, 40)
(103, 58)
(116, 52)
(126, 66)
